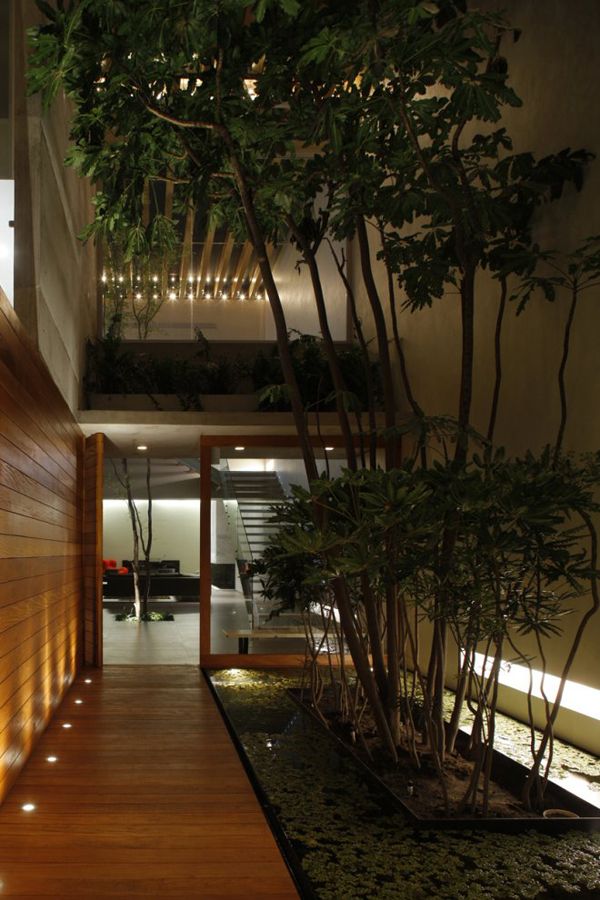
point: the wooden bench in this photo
(244, 635)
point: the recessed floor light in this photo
(52, 759)
(28, 807)
(67, 725)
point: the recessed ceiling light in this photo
(28, 807)
(141, 447)
(52, 759)
(67, 725)
(88, 680)
(79, 701)
(329, 448)
(239, 448)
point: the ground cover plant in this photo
(351, 845)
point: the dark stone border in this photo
(292, 861)
(507, 772)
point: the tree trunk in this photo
(135, 562)
(467, 297)
(393, 660)
(382, 343)
(416, 408)
(561, 372)
(147, 544)
(498, 361)
(361, 664)
(366, 360)
(374, 631)
(535, 768)
(330, 351)
(258, 243)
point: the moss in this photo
(351, 848)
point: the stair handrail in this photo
(238, 536)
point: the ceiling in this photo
(177, 434)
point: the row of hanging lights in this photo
(192, 288)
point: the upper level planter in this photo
(171, 402)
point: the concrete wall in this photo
(55, 291)
(554, 69)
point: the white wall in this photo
(7, 253)
(176, 531)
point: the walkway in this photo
(147, 796)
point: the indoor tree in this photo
(141, 536)
(324, 123)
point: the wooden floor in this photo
(147, 797)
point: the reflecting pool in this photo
(351, 846)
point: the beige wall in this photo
(54, 273)
(554, 69)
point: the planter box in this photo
(506, 773)
(170, 402)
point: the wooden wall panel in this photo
(93, 484)
(41, 575)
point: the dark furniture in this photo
(165, 580)
(157, 566)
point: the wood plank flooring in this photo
(147, 797)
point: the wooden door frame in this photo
(93, 494)
(207, 444)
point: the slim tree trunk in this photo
(147, 544)
(393, 661)
(258, 243)
(498, 360)
(361, 664)
(416, 408)
(382, 342)
(330, 352)
(459, 699)
(467, 297)
(374, 632)
(561, 372)
(593, 609)
(124, 481)
(356, 324)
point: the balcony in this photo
(202, 376)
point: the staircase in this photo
(249, 498)
(254, 494)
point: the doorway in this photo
(162, 497)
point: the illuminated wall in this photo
(40, 544)
(553, 68)
(176, 531)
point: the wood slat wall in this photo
(41, 454)
(93, 467)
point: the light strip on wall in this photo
(577, 697)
